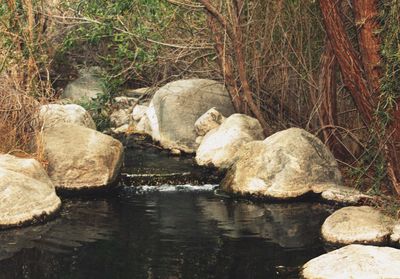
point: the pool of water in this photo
(168, 231)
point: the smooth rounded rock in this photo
(55, 114)
(357, 224)
(285, 165)
(176, 106)
(26, 193)
(355, 261)
(80, 158)
(219, 146)
(208, 121)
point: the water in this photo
(168, 231)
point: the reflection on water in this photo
(173, 234)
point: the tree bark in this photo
(327, 103)
(349, 63)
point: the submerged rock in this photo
(26, 193)
(208, 121)
(355, 261)
(81, 158)
(363, 224)
(283, 166)
(87, 87)
(219, 146)
(55, 114)
(176, 106)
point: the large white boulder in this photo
(355, 261)
(27, 195)
(55, 114)
(219, 146)
(138, 112)
(81, 158)
(357, 224)
(176, 106)
(208, 121)
(283, 166)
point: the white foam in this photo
(172, 188)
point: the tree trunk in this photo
(326, 103)
(349, 63)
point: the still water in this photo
(173, 233)
(165, 231)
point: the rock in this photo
(55, 114)
(87, 87)
(26, 192)
(199, 139)
(176, 106)
(143, 127)
(124, 102)
(175, 152)
(283, 166)
(138, 92)
(208, 121)
(138, 112)
(355, 261)
(81, 158)
(340, 194)
(219, 146)
(363, 224)
(395, 236)
(120, 117)
(120, 130)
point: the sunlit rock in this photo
(138, 112)
(219, 146)
(355, 261)
(81, 158)
(26, 193)
(176, 106)
(208, 121)
(120, 117)
(283, 166)
(363, 224)
(55, 114)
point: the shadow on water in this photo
(166, 231)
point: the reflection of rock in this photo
(80, 222)
(291, 225)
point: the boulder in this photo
(219, 146)
(395, 236)
(362, 224)
(143, 127)
(341, 194)
(26, 193)
(208, 121)
(120, 117)
(176, 106)
(55, 114)
(124, 102)
(355, 261)
(138, 112)
(283, 166)
(80, 158)
(87, 87)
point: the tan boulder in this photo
(355, 261)
(208, 121)
(357, 224)
(26, 193)
(81, 158)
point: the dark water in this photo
(166, 232)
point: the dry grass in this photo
(19, 126)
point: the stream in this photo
(166, 221)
